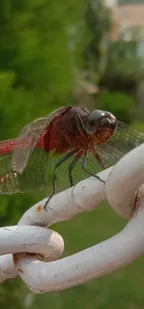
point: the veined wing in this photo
(34, 177)
(124, 140)
(28, 138)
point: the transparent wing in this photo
(34, 177)
(125, 139)
(28, 138)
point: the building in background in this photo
(128, 22)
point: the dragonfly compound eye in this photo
(109, 122)
(93, 121)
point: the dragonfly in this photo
(71, 132)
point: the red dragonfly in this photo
(71, 132)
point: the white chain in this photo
(33, 251)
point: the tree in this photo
(98, 25)
(35, 68)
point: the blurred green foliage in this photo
(120, 104)
(43, 44)
(124, 68)
(35, 69)
(98, 20)
(123, 54)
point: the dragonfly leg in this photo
(71, 167)
(85, 169)
(59, 163)
(97, 157)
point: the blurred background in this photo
(87, 53)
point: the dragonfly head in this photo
(99, 122)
